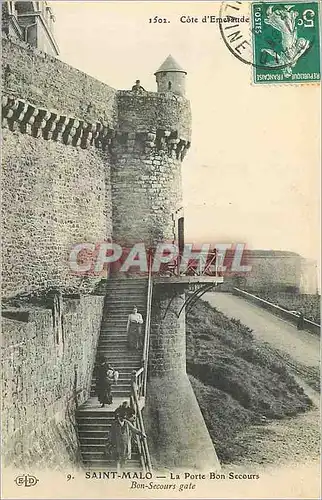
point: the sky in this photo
(252, 173)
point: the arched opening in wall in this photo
(169, 85)
(181, 234)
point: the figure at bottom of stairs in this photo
(120, 440)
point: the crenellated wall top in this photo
(47, 98)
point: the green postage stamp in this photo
(286, 43)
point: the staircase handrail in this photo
(142, 441)
(139, 380)
(146, 347)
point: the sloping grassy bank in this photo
(238, 382)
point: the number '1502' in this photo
(157, 19)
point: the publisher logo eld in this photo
(26, 480)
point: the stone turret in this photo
(171, 77)
(151, 142)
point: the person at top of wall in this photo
(137, 87)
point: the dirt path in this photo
(302, 346)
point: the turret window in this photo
(169, 85)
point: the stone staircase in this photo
(94, 422)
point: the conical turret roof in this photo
(170, 64)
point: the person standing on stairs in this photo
(120, 440)
(134, 329)
(105, 376)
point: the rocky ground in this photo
(277, 443)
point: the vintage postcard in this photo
(161, 249)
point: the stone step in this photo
(124, 302)
(122, 384)
(116, 392)
(93, 441)
(126, 384)
(118, 338)
(123, 381)
(127, 279)
(111, 354)
(115, 332)
(89, 411)
(127, 282)
(119, 351)
(114, 315)
(118, 347)
(109, 465)
(120, 325)
(116, 319)
(131, 289)
(120, 365)
(124, 378)
(98, 455)
(124, 296)
(90, 420)
(118, 354)
(126, 387)
(116, 329)
(123, 395)
(122, 310)
(120, 362)
(119, 341)
(92, 433)
(115, 340)
(124, 369)
(125, 374)
(117, 357)
(115, 344)
(135, 298)
(97, 449)
(94, 427)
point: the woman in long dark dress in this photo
(104, 382)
